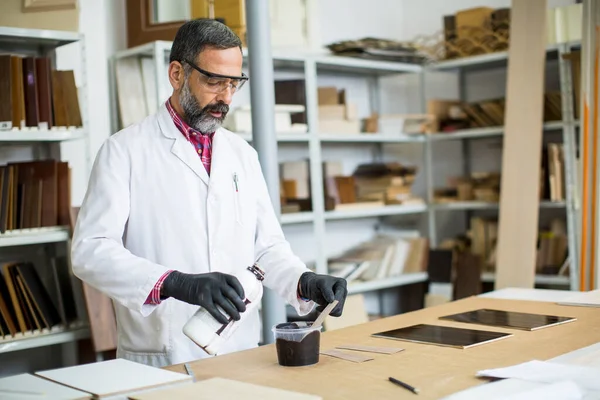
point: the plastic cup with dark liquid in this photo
(297, 344)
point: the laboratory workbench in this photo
(437, 371)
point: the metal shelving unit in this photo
(311, 66)
(44, 43)
(566, 127)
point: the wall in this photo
(355, 19)
(63, 20)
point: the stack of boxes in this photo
(335, 114)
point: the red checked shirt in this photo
(203, 145)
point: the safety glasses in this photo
(216, 83)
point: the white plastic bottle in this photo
(210, 334)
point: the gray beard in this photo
(197, 117)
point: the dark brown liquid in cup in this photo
(297, 354)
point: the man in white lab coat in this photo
(177, 206)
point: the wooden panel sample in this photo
(103, 324)
(101, 314)
(521, 158)
(5, 92)
(31, 94)
(44, 86)
(17, 93)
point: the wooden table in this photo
(437, 371)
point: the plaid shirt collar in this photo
(183, 127)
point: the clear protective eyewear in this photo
(217, 83)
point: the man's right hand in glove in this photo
(209, 291)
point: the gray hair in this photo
(198, 34)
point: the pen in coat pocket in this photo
(235, 181)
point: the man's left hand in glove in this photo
(323, 289)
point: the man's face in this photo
(205, 100)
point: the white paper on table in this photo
(548, 372)
(564, 390)
(583, 299)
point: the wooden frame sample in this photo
(521, 157)
(48, 5)
(141, 29)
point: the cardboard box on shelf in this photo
(328, 96)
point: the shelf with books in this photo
(390, 282)
(539, 279)
(40, 98)
(374, 211)
(56, 335)
(42, 135)
(21, 237)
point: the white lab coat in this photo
(150, 206)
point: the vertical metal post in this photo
(262, 99)
(316, 164)
(428, 165)
(568, 131)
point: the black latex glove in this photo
(323, 289)
(209, 291)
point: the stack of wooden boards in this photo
(482, 237)
(370, 185)
(28, 306)
(32, 95)
(336, 115)
(451, 115)
(480, 186)
(482, 30)
(34, 194)
(381, 257)
(239, 120)
(553, 173)
(485, 186)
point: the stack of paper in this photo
(585, 299)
